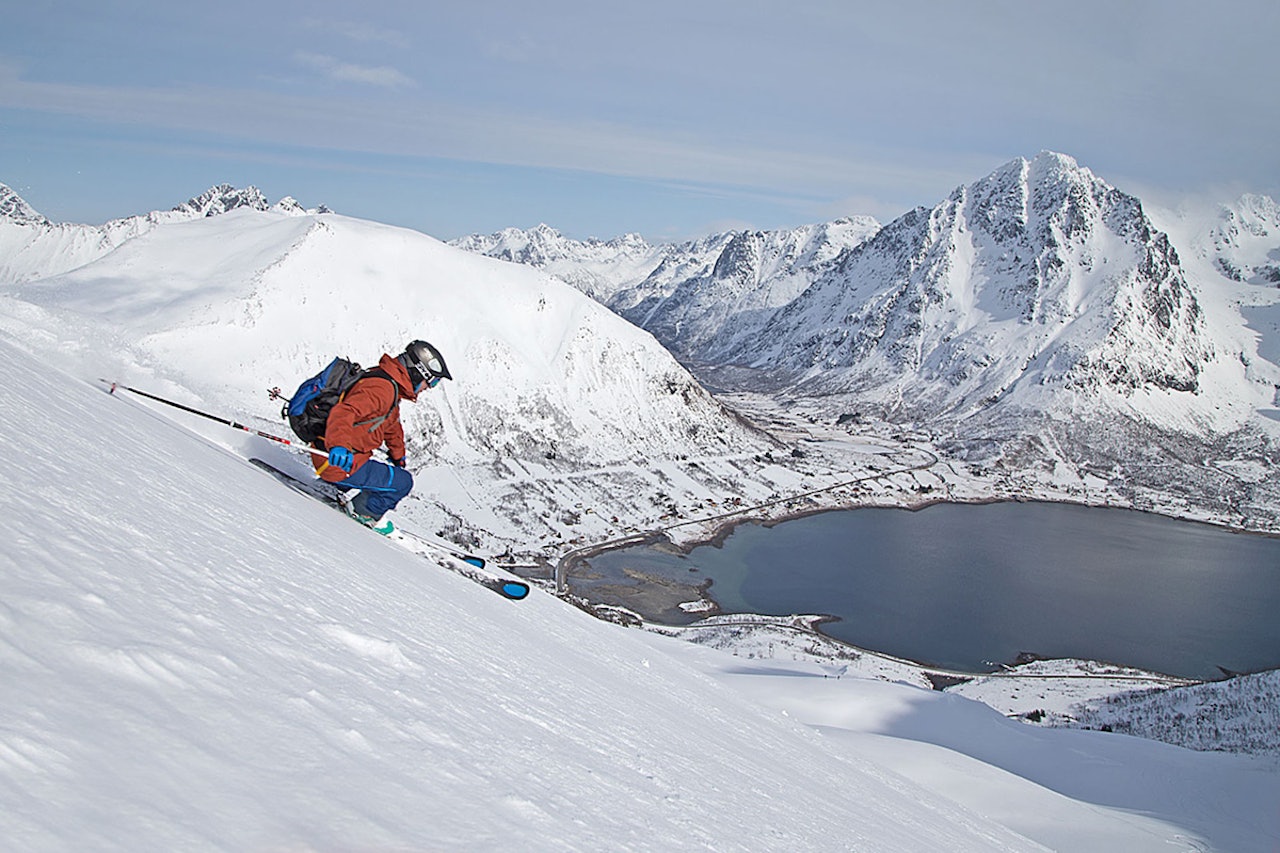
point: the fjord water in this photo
(968, 586)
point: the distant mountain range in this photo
(688, 294)
(1038, 287)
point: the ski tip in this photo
(514, 590)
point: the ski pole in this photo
(216, 418)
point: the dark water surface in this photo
(966, 585)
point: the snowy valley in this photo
(205, 660)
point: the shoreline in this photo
(724, 531)
(725, 527)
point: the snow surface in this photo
(197, 658)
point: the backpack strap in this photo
(377, 373)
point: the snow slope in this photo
(1236, 715)
(215, 310)
(32, 247)
(188, 671)
(195, 657)
(1237, 244)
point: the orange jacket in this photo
(366, 417)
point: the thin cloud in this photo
(784, 171)
(430, 128)
(359, 32)
(349, 72)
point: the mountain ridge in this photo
(548, 383)
(33, 247)
(1040, 249)
(1026, 372)
(1038, 276)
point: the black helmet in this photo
(424, 364)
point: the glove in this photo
(399, 463)
(340, 457)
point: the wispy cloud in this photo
(349, 72)
(356, 31)
(442, 129)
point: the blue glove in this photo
(340, 457)
(399, 463)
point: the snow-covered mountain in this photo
(1245, 241)
(700, 312)
(1037, 284)
(14, 208)
(693, 295)
(596, 267)
(548, 383)
(1039, 288)
(33, 247)
(1037, 319)
(1240, 242)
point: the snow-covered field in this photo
(195, 657)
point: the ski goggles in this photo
(431, 366)
(428, 363)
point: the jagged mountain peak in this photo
(1259, 208)
(290, 205)
(1246, 238)
(43, 248)
(543, 245)
(1038, 274)
(14, 208)
(222, 198)
(713, 291)
(1051, 195)
(598, 268)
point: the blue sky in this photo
(671, 118)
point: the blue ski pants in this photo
(382, 486)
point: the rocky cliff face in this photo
(724, 288)
(14, 209)
(1039, 273)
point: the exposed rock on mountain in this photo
(1040, 275)
(13, 208)
(32, 247)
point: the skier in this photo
(367, 417)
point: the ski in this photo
(468, 565)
